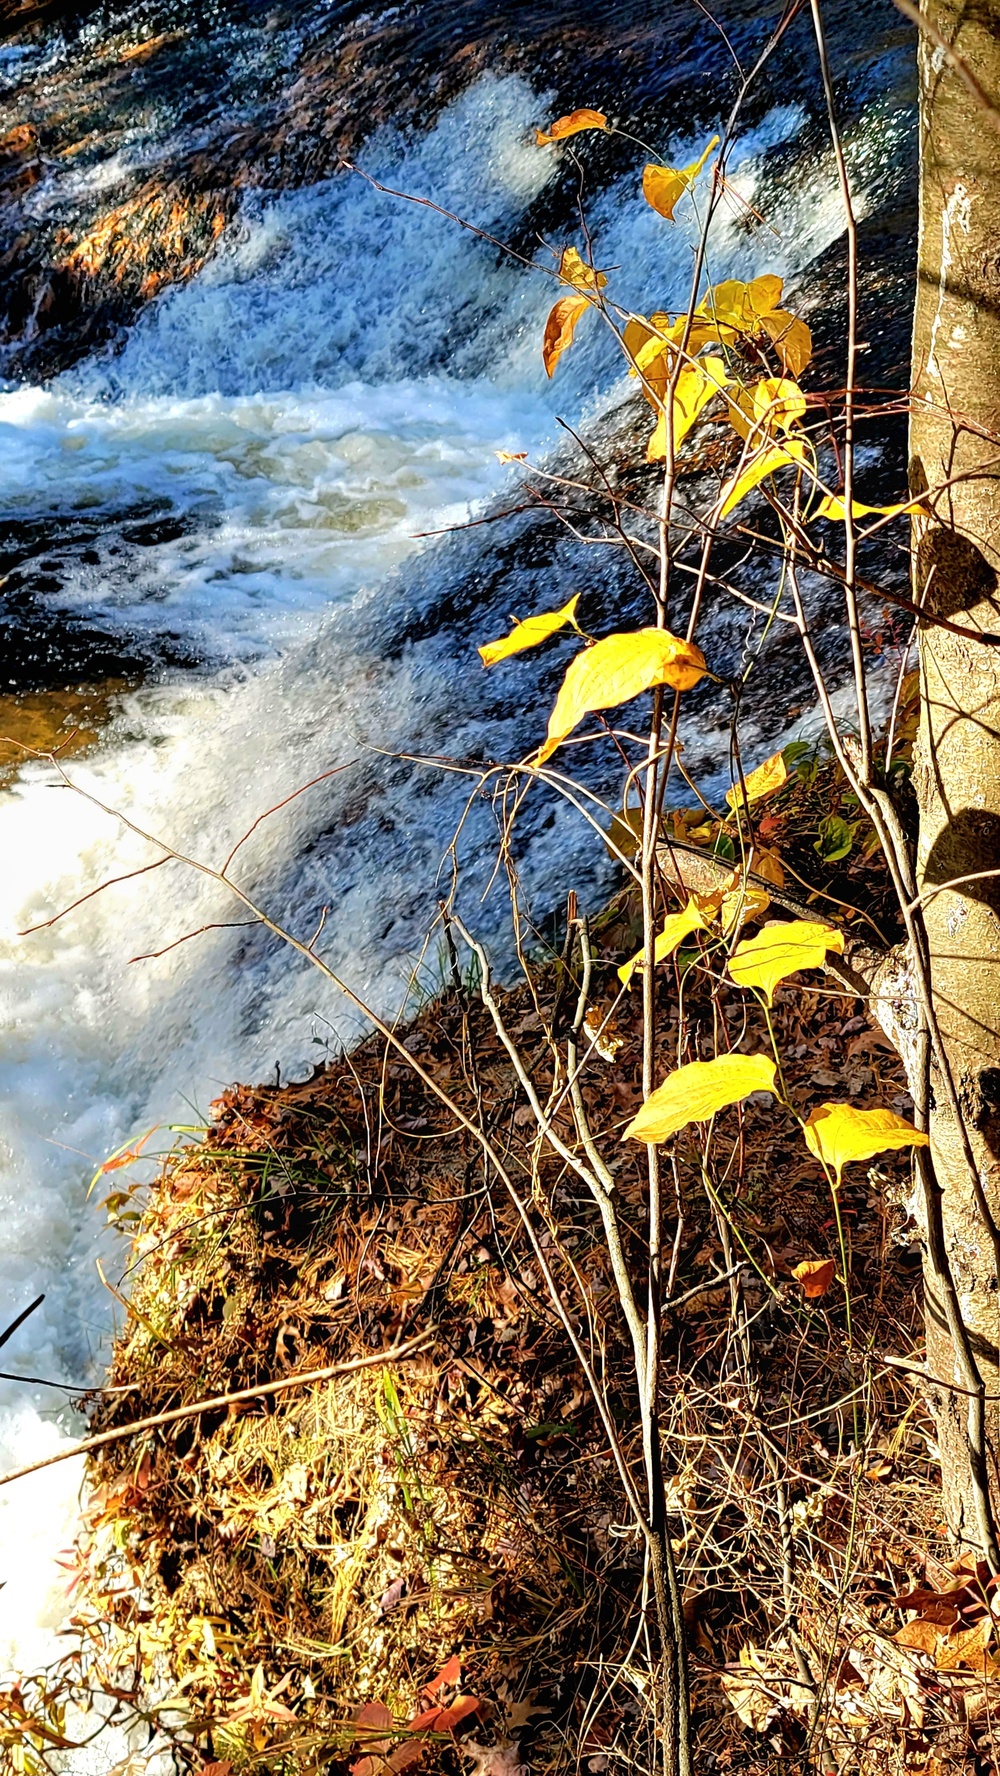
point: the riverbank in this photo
(290, 1574)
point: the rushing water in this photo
(253, 473)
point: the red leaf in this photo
(445, 1720)
(448, 1674)
(373, 1714)
(377, 1715)
(460, 1709)
(407, 1755)
(125, 1158)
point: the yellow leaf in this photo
(767, 863)
(779, 950)
(662, 186)
(573, 269)
(778, 403)
(695, 387)
(654, 352)
(742, 307)
(529, 633)
(695, 1092)
(764, 781)
(676, 927)
(764, 463)
(815, 1275)
(654, 364)
(654, 360)
(763, 293)
(652, 346)
(560, 327)
(771, 405)
(617, 669)
(571, 126)
(838, 1134)
(833, 506)
(638, 332)
(752, 308)
(791, 338)
(506, 456)
(967, 1646)
(740, 412)
(741, 904)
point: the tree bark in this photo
(955, 438)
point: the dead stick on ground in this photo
(410, 1349)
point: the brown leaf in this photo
(883, 1469)
(848, 1676)
(752, 1699)
(815, 1275)
(559, 329)
(518, 1714)
(866, 1041)
(966, 1646)
(921, 1634)
(934, 1606)
(372, 1715)
(392, 1597)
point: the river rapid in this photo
(225, 515)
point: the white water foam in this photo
(334, 382)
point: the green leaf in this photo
(794, 751)
(836, 837)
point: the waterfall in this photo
(266, 456)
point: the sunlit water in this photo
(337, 381)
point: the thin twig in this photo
(394, 1354)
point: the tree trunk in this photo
(955, 437)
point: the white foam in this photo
(295, 497)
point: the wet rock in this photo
(181, 113)
(158, 237)
(20, 167)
